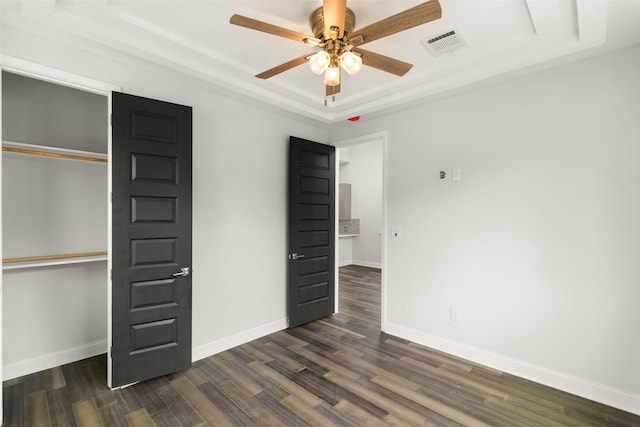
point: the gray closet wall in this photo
(55, 313)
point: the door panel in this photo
(153, 209)
(311, 278)
(151, 242)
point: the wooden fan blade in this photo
(418, 15)
(254, 24)
(332, 90)
(335, 12)
(384, 63)
(283, 67)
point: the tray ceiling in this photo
(196, 38)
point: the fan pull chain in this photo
(333, 99)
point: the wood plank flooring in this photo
(339, 371)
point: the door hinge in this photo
(111, 119)
(111, 275)
(111, 196)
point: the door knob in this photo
(184, 271)
(295, 256)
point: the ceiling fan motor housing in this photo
(317, 23)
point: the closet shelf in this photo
(51, 260)
(55, 152)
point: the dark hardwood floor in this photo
(338, 371)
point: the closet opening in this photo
(55, 223)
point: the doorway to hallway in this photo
(360, 299)
(361, 223)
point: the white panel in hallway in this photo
(364, 172)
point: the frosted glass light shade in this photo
(319, 62)
(332, 76)
(351, 63)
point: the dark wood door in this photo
(151, 239)
(311, 272)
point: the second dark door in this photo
(311, 270)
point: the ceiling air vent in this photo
(444, 43)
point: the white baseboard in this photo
(360, 263)
(579, 386)
(51, 360)
(215, 347)
(366, 263)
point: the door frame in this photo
(381, 137)
(52, 75)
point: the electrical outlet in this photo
(455, 314)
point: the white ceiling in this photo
(195, 37)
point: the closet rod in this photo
(51, 257)
(57, 155)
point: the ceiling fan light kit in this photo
(319, 62)
(333, 27)
(323, 62)
(332, 75)
(351, 63)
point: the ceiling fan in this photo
(333, 29)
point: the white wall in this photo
(239, 193)
(364, 173)
(538, 244)
(345, 244)
(53, 206)
(53, 314)
(1, 279)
